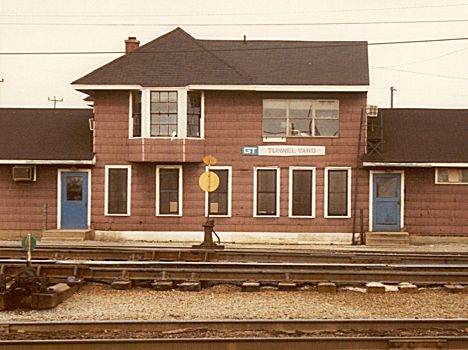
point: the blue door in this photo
(74, 200)
(387, 202)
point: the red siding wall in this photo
(232, 120)
(432, 209)
(22, 204)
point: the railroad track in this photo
(142, 253)
(239, 335)
(229, 272)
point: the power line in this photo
(240, 14)
(279, 24)
(333, 45)
(422, 73)
(428, 59)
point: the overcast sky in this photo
(432, 74)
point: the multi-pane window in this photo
(337, 192)
(219, 200)
(266, 196)
(117, 201)
(163, 113)
(301, 196)
(193, 113)
(289, 118)
(136, 113)
(166, 113)
(169, 190)
(452, 176)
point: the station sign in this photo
(283, 151)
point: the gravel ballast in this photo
(98, 302)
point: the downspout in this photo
(356, 180)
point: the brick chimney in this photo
(131, 44)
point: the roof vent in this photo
(24, 173)
(131, 44)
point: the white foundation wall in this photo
(227, 237)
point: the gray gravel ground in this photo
(97, 302)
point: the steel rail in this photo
(270, 255)
(239, 272)
(303, 343)
(303, 329)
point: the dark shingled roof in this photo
(178, 59)
(45, 134)
(424, 135)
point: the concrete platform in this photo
(387, 239)
(67, 235)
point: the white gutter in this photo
(416, 165)
(48, 162)
(292, 88)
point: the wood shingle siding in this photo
(232, 120)
(432, 209)
(22, 203)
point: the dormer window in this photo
(174, 113)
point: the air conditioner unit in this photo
(24, 173)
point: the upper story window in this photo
(163, 110)
(452, 176)
(166, 113)
(300, 118)
(193, 113)
(136, 113)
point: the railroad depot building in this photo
(283, 119)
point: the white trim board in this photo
(305, 88)
(416, 165)
(228, 237)
(371, 195)
(48, 162)
(59, 193)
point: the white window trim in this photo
(229, 209)
(106, 189)
(437, 182)
(59, 193)
(314, 106)
(130, 116)
(181, 113)
(278, 176)
(371, 195)
(180, 188)
(290, 202)
(325, 194)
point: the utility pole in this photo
(392, 89)
(55, 100)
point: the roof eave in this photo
(290, 88)
(416, 164)
(48, 161)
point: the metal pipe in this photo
(356, 176)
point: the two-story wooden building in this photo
(281, 117)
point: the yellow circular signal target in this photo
(208, 181)
(210, 160)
